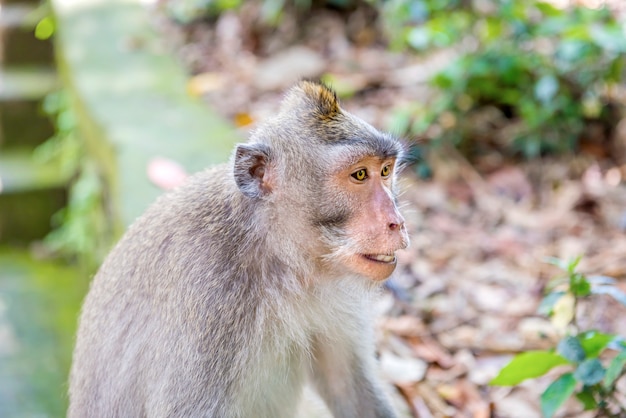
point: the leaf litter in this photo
(464, 297)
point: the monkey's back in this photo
(157, 328)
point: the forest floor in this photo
(465, 294)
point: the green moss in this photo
(39, 303)
(130, 97)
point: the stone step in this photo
(19, 44)
(21, 172)
(22, 123)
(133, 104)
(31, 193)
(27, 83)
(18, 15)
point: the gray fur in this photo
(219, 300)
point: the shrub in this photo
(547, 70)
(586, 378)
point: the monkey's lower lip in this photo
(381, 258)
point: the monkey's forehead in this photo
(379, 145)
(351, 151)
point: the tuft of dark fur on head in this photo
(320, 100)
(324, 99)
(314, 107)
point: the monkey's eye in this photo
(386, 171)
(360, 175)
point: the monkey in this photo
(251, 279)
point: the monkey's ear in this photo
(252, 170)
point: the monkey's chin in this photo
(376, 267)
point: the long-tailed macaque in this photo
(253, 276)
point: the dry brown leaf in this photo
(204, 83)
(404, 326)
(402, 370)
(416, 404)
(283, 69)
(511, 182)
(431, 351)
(434, 401)
(243, 119)
(474, 275)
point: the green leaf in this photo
(579, 285)
(618, 343)
(586, 399)
(446, 79)
(571, 50)
(614, 71)
(590, 372)
(527, 365)
(491, 29)
(546, 88)
(572, 264)
(45, 28)
(557, 393)
(547, 303)
(548, 9)
(570, 348)
(567, 265)
(600, 280)
(594, 342)
(608, 38)
(419, 38)
(612, 291)
(614, 371)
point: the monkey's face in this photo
(324, 181)
(371, 227)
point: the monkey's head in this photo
(325, 182)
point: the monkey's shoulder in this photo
(207, 194)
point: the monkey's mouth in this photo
(381, 258)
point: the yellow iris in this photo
(360, 175)
(385, 171)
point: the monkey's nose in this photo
(395, 222)
(396, 226)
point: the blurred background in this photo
(514, 113)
